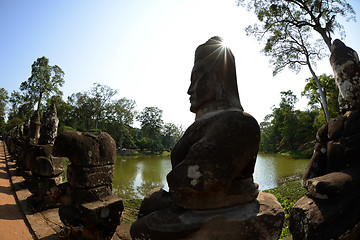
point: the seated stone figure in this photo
(212, 192)
(332, 176)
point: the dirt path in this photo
(12, 225)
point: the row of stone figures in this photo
(86, 203)
(211, 194)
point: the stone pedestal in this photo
(94, 220)
(259, 219)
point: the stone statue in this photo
(211, 181)
(332, 176)
(213, 163)
(89, 207)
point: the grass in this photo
(287, 194)
(131, 210)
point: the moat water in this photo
(135, 176)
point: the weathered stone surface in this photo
(40, 185)
(346, 66)
(86, 149)
(334, 184)
(79, 196)
(156, 199)
(48, 166)
(312, 218)
(317, 164)
(259, 219)
(322, 134)
(49, 126)
(333, 175)
(34, 131)
(335, 127)
(104, 213)
(85, 177)
(96, 220)
(34, 151)
(214, 161)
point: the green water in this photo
(135, 176)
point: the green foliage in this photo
(96, 109)
(287, 27)
(331, 93)
(44, 81)
(287, 129)
(171, 134)
(151, 122)
(283, 20)
(288, 194)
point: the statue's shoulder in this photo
(237, 115)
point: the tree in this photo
(99, 98)
(151, 125)
(171, 134)
(44, 82)
(331, 93)
(21, 106)
(151, 122)
(91, 106)
(286, 129)
(3, 100)
(119, 120)
(287, 25)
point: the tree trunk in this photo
(322, 95)
(39, 104)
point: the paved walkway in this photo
(12, 224)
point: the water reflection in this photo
(270, 168)
(134, 177)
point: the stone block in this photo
(333, 218)
(259, 219)
(89, 177)
(40, 185)
(48, 166)
(95, 220)
(333, 184)
(33, 151)
(105, 213)
(335, 127)
(79, 196)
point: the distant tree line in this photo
(289, 130)
(92, 110)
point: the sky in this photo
(144, 49)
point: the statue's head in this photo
(213, 78)
(346, 66)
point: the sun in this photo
(224, 43)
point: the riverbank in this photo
(139, 153)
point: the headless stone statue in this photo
(212, 194)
